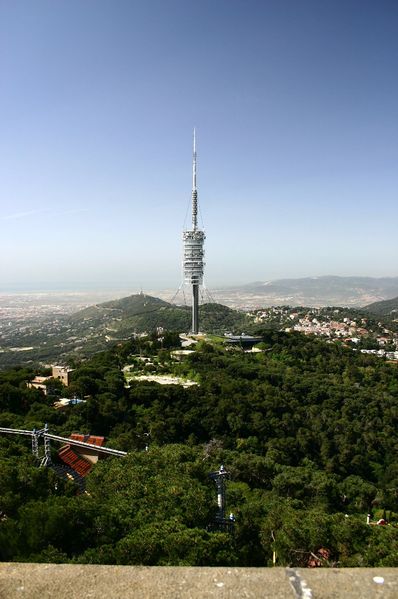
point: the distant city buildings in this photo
(357, 332)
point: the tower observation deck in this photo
(193, 259)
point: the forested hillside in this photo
(306, 429)
(95, 328)
(386, 308)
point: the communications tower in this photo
(193, 260)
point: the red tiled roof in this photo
(77, 437)
(99, 441)
(75, 461)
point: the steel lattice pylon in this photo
(35, 443)
(221, 522)
(46, 459)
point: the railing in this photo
(16, 431)
(107, 450)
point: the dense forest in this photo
(306, 430)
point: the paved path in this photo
(65, 581)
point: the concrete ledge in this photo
(59, 581)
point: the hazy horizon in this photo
(106, 289)
(296, 111)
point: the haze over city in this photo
(296, 110)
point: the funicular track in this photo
(44, 457)
(43, 433)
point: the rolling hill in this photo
(142, 313)
(92, 329)
(386, 308)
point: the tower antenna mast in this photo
(194, 188)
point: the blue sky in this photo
(296, 109)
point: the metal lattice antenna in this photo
(194, 188)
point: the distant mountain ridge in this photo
(311, 291)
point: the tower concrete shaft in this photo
(193, 260)
(195, 309)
